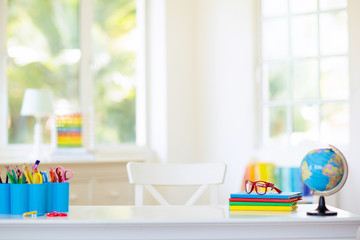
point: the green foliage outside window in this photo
(44, 52)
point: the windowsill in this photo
(121, 153)
(290, 155)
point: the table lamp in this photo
(37, 103)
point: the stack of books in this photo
(271, 201)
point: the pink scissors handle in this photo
(65, 178)
(59, 171)
(61, 174)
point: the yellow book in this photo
(261, 172)
(234, 214)
(270, 173)
(262, 208)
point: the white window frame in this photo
(290, 155)
(137, 151)
(289, 103)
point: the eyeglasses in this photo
(260, 187)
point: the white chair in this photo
(205, 175)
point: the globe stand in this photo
(321, 209)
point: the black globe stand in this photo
(321, 209)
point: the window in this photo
(43, 52)
(85, 52)
(114, 48)
(304, 72)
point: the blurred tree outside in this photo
(44, 52)
(114, 46)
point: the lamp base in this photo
(35, 155)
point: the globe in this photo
(325, 172)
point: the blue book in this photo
(295, 176)
(268, 195)
(284, 179)
(305, 190)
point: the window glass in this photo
(43, 50)
(335, 123)
(272, 8)
(277, 124)
(334, 78)
(332, 4)
(275, 78)
(275, 39)
(305, 122)
(305, 79)
(303, 6)
(114, 57)
(304, 36)
(333, 33)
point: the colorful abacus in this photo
(69, 130)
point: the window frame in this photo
(289, 102)
(138, 150)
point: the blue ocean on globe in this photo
(322, 169)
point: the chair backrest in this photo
(145, 175)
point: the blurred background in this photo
(188, 81)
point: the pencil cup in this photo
(19, 197)
(37, 198)
(49, 197)
(4, 198)
(61, 197)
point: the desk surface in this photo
(178, 222)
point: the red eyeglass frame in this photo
(265, 185)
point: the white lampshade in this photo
(37, 102)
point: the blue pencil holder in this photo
(19, 197)
(61, 197)
(37, 198)
(49, 197)
(4, 198)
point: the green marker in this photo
(10, 177)
(16, 181)
(23, 180)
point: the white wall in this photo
(209, 84)
(201, 102)
(171, 80)
(181, 88)
(224, 80)
(350, 194)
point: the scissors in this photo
(37, 178)
(61, 174)
(52, 174)
(56, 214)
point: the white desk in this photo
(175, 222)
